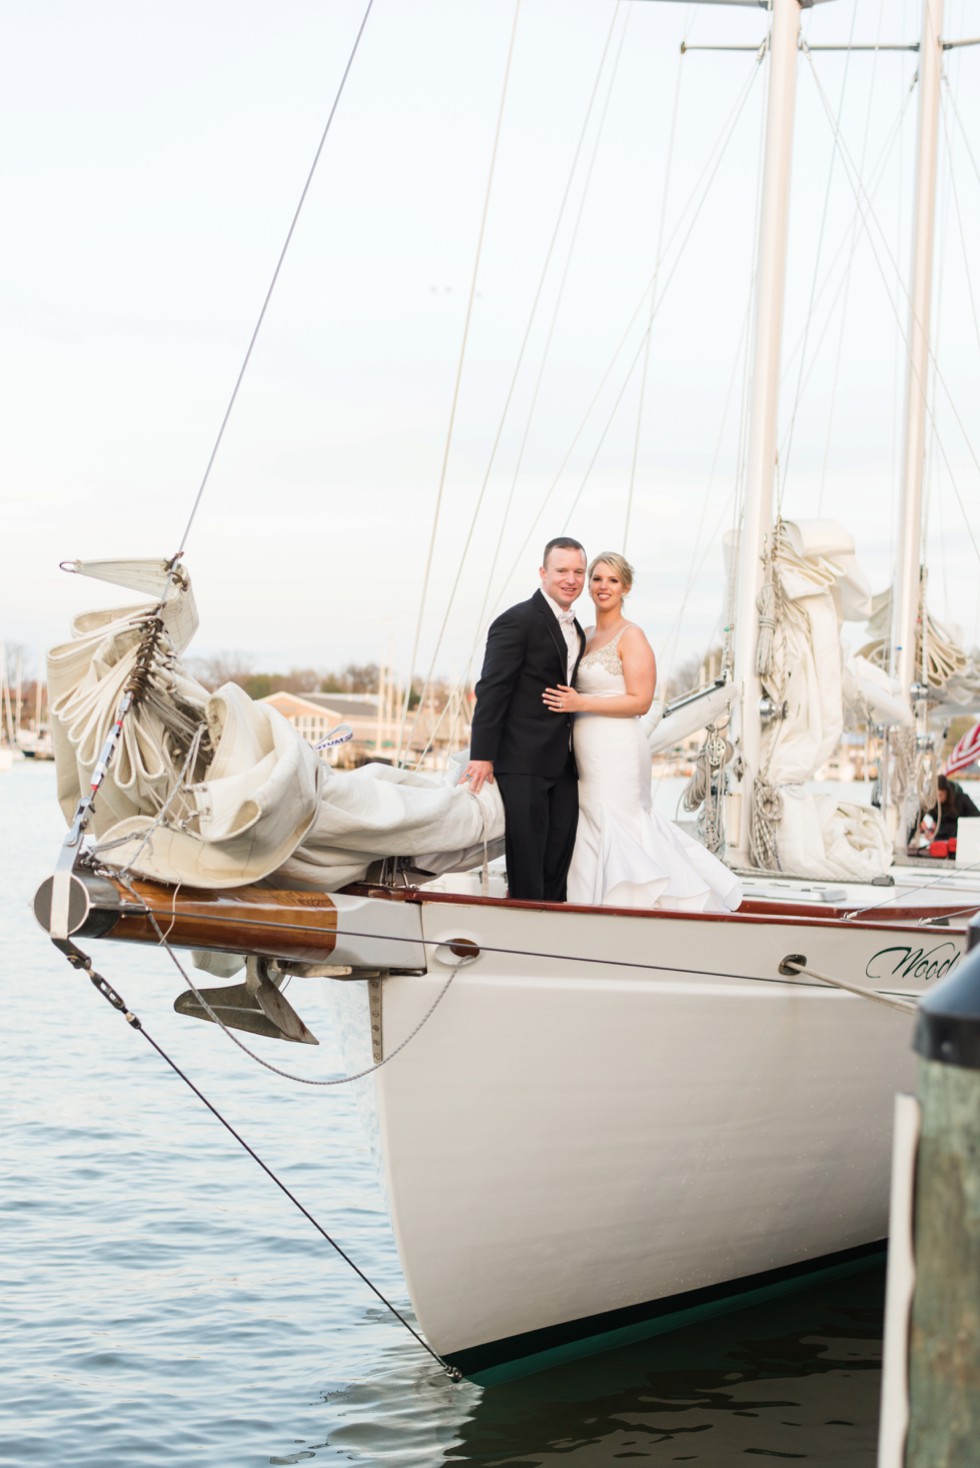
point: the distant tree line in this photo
(238, 668)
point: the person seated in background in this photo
(953, 803)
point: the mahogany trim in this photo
(753, 910)
(256, 918)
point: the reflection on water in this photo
(797, 1379)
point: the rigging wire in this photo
(545, 355)
(658, 257)
(743, 349)
(784, 457)
(742, 450)
(949, 104)
(275, 278)
(711, 170)
(699, 555)
(959, 216)
(456, 386)
(517, 368)
(877, 174)
(845, 289)
(133, 692)
(695, 202)
(932, 494)
(465, 672)
(964, 136)
(868, 213)
(80, 960)
(851, 231)
(897, 374)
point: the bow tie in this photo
(567, 619)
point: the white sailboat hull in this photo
(566, 1139)
(589, 1120)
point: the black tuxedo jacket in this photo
(526, 653)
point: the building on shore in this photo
(432, 731)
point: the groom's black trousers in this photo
(541, 815)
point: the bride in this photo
(625, 854)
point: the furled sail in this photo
(951, 674)
(813, 585)
(666, 728)
(214, 790)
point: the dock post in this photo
(944, 1336)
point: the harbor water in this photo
(164, 1303)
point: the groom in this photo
(518, 741)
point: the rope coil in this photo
(927, 779)
(767, 607)
(765, 814)
(705, 790)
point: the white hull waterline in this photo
(579, 1145)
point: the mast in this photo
(19, 697)
(905, 596)
(770, 289)
(907, 587)
(6, 711)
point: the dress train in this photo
(626, 855)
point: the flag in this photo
(965, 753)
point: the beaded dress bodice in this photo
(597, 667)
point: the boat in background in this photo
(36, 744)
(9, 714)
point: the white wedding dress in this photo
(625, 854)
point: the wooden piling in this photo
(944, 1336)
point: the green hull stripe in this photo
(505, 1360)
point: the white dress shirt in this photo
(566, 621)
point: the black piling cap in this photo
(948, 1025)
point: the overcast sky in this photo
(150, 163)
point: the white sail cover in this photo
(817, 585)
(951, 674)
(214, 790)
(666, 729)
(820, 585)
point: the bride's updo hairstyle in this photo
(619, 564)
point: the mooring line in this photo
(80, 960)
(799, 966)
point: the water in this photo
(162, 1303)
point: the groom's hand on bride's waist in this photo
(478, 772)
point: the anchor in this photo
(257, 1005)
